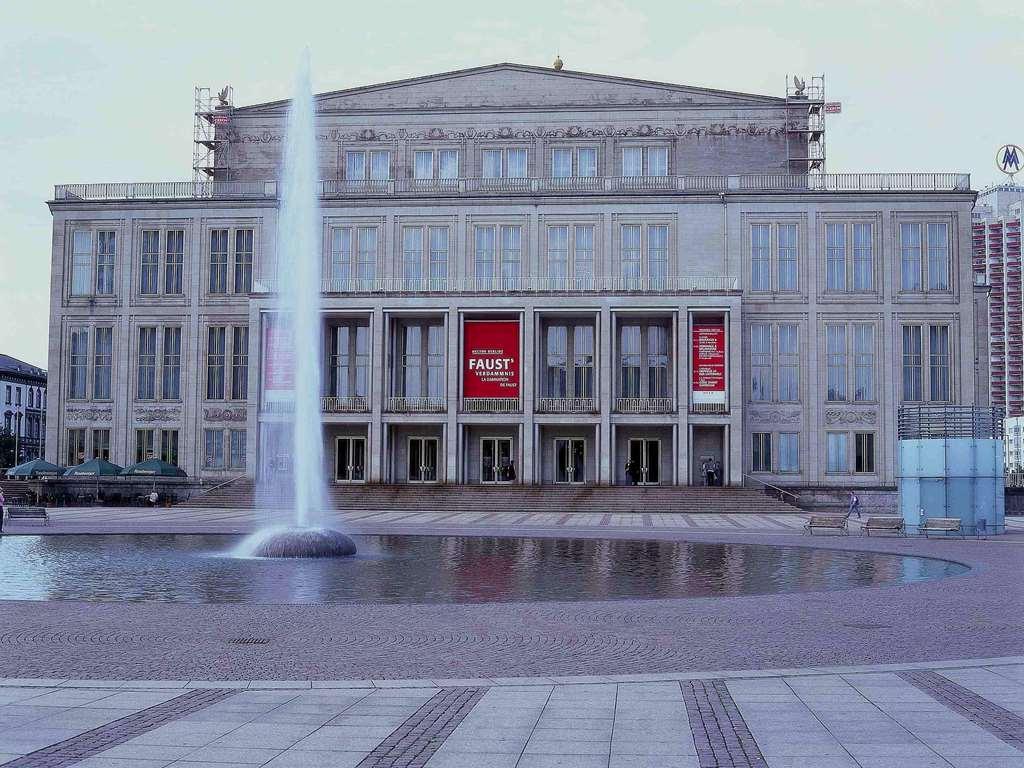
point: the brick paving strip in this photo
(720, 734)
(417, 739)
(70, 751)
(1001, 723)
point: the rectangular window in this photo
(81, 263)
(243, 260)
(214, 445)
(910, 257)
(76, 447)
(789, 364)
(411, 355)
(644, 161)
(657, 161)
(657, 255)
(836, 356)
(505, 163)
(787, 257)
(145, 444)
(629, 354)
(863, 258)
(511, 251)
(760, 257)
(484, 253)
(103, 357)
(149, 271)
(169, 446)
(938, 257)
(171, 364)
(412, 256)
(561, 163)
(835, 257)
(350, 361)
(174, 261)
(789, 452)
(558, 252)
(583, 257)
(556, 374)
(101, 444)
(341, 254)
(864, 450)
(760, 362)
(438, 257)
(516, 160)
(105, 254)
(448, 164)
(913, 360)
(366, 255)
(355, 166)
(236, 459)
(657, 361)
(423, 164)
(586, 162)
(632, 161)
(864, 362)
(435, 361)
(492, 163)
(78, 369)
(218, 261)
(837, 454)
(240, 362)
(938, 362)
(631, 255)
(215, 353)
(380, 165)
(146, 389)
(583, 360)
(761, 459)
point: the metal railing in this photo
(491, 405)
(709, 407)
(937, 422)
(416, 404)
(699, 184)
(645, 404)
(782, 492)
(352, 404)
(566, 405)
(679, 284)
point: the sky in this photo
(102, 90)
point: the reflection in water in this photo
(428, 569)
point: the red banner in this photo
(278, 360)
(490, 358)
(709, 363)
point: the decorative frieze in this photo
(89, 414)
(834, 416)
(157, 414)
(775, 416)
(225, 414)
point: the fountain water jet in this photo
(299, 278)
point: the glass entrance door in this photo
(423, 453)
(644, 462)
(350, 460)
(496, 463)
(570, 460)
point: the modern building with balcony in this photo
(529, 276)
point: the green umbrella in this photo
(34, 468)
(93, 468)
(154, 468)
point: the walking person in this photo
(716, 471)
(854, 505)
(3, 509)
(705, 470)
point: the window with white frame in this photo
(644, 161)
(644, 360)
(168, 246)
(216, 361)
(354, 256)
(789, 363)
(240, 362)
(227, 369)
(636, 241)
(498, 252)
(864, 362)
(777, 244)
(761, 452)
(93, 255)
(789, 452)
(849, 257)
(924, 256)
(230, 261)
(145, 369)
(373, 165)
(174, 261)
(767, 357)
(101, 444)
(237, 448)
(425, 257)
(349, 371)
(571, 253)
(78, 368)
(510, 163)
(149, 269)
(837, 362)
(419, 353)
(839, 339)
(837, 458)
(760, 362)
(435, 164)
(103, 357)
(171, 364)
(921, 345)
(569, 162)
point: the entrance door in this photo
(496, 464)
(645, 458)
(570, 460)
(350, 460)
(423, 452)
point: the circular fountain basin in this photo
(294, 542)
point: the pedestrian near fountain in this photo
(3, 509)
(854, 505)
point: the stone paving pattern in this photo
(873, 718)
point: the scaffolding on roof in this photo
(805, 124)
(212, 115)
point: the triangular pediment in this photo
(517, 85)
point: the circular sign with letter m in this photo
(1008, 159)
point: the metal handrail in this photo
(211, 489)
(781, 491)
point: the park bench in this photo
(27, 513)
(835, 523)
(883, 524)
(940, 525)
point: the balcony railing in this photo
(645, 404)
(567, 405)
(416, 404)
(353, 404)
(689, 284)
(341, 188)
(491, 405)
(709, 408)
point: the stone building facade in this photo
(671, 276)
(23, 389)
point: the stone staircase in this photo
(512, 498)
